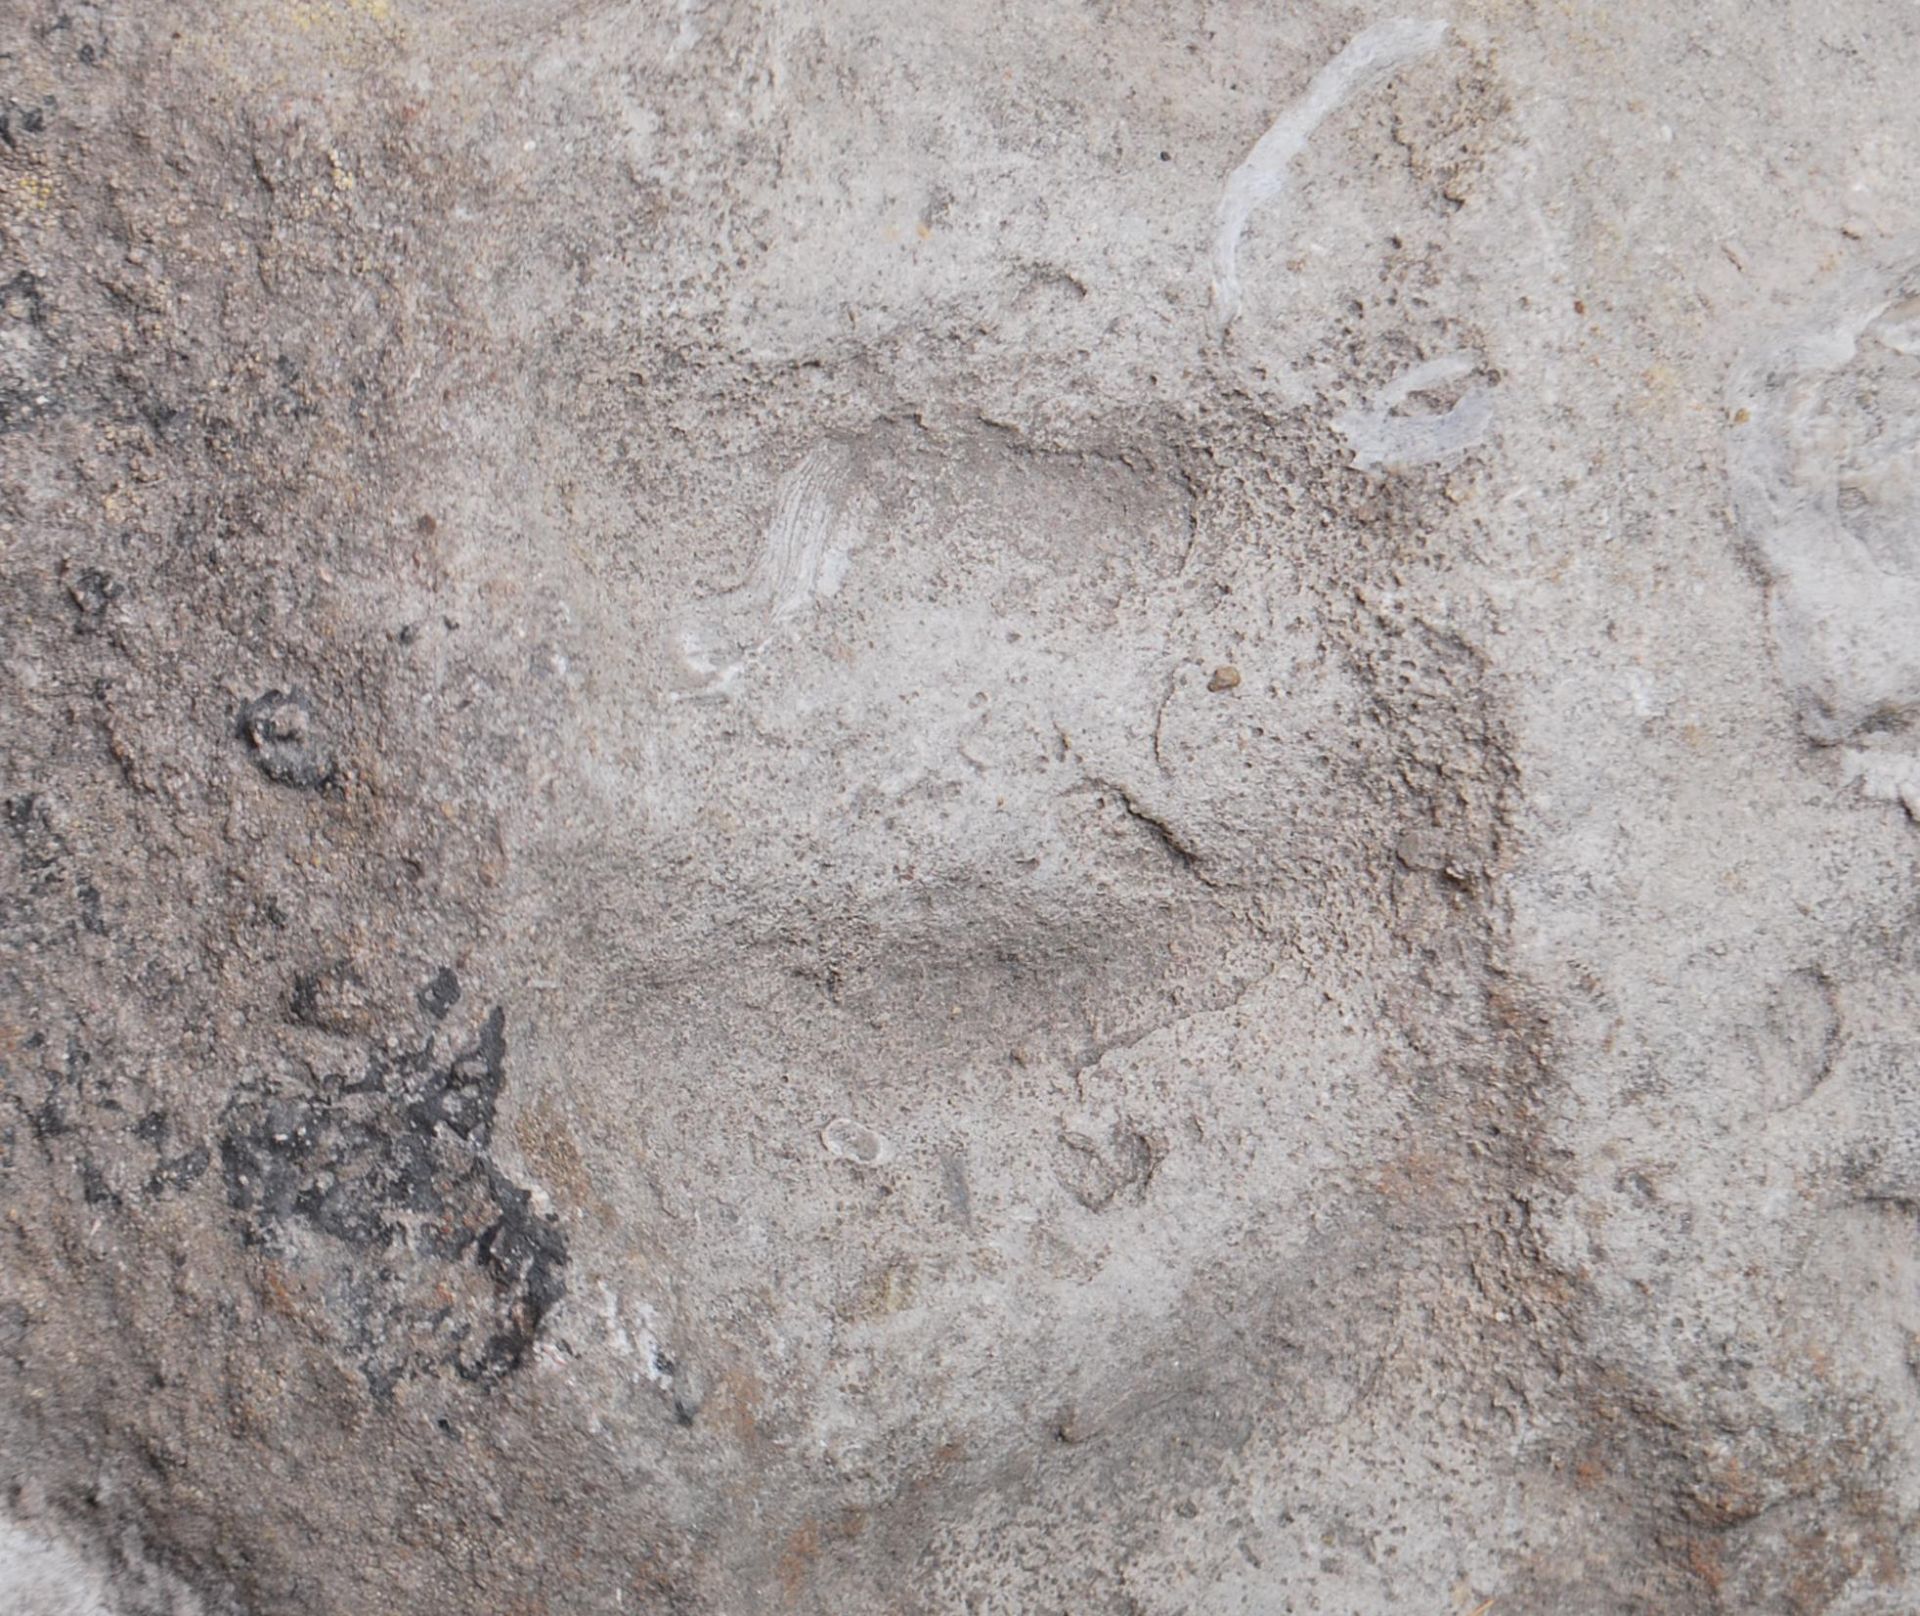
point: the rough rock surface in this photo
(998, 808)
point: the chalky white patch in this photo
(1824, 459)
(1886, 777)
(1383, 437)
(40, 1578)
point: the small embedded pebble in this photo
(1225, 677)
(279, 728)
(855, 1142)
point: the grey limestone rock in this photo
(984, 808)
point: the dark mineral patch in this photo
(17, 125)
(92, 593)
(42, 849)
(179, 1172)
(441, 994)
(331, 998)
(54, 896)
(21, 297)
(392, 1171)
(279, 730)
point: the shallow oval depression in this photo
(948, 935)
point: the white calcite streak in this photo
(809, 541)
(1263, 176)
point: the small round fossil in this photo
(855, 1142)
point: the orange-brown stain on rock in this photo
(1416, 1175)
(733, 1403)
(804, 1544)
(554, 1155)
(1702, 1561)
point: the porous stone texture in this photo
(976, 808)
